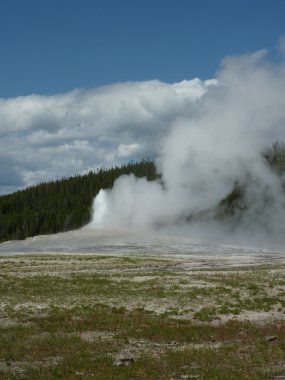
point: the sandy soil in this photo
(194, 252)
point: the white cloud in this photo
(127, 150)
(54, 136)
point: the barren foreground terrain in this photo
(141, 317)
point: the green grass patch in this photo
(71, 317)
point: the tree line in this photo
(66, 204)
(234, 204)
(60, 205)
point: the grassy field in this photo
(96, 317)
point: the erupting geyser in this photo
(213, 144)
(100, 209)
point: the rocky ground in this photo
(141, 317)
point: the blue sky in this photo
(54, 46)
(58, 119)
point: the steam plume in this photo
(204, 153)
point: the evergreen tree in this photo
(60, 205)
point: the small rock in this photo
(123, 361)
(270, 338)
(84, 373)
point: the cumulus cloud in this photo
(127, 150)
(59, 135)
(215, 139)
(8, 173)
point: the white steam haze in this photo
(216, 139)
(203, 134)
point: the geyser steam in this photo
(204, 152)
